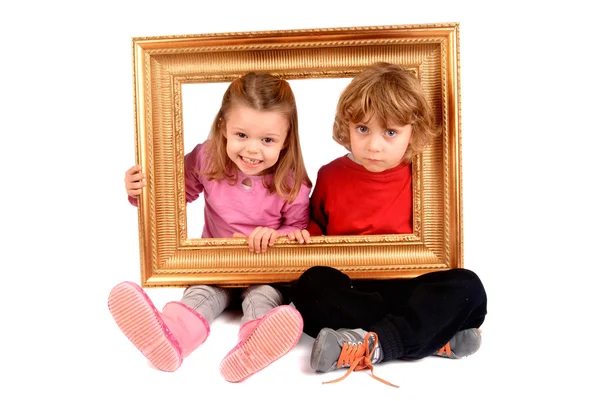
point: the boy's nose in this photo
(374, 144)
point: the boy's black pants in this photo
(413, 318)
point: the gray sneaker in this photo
(346, 348)
(339, 349)
(464, 343)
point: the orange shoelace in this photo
(445, 350)
(358, 357)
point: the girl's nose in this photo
(252, 147)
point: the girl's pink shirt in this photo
(232, 209)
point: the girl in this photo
(255, 184)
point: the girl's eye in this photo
(362, 129)
(240, 134)
(390, 133)
(268, 140)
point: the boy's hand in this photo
(134, 181)
(301, 236)
(261, 238)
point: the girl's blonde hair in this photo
(392, 95)
(261, 92)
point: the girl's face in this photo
(379, 148)
(255, 138)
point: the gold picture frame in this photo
(162, 64)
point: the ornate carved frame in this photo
(162, 64)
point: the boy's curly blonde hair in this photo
(393, 96)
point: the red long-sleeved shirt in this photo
(350, 200)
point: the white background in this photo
(530, 89)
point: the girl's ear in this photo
(286, 143)
(221, 127)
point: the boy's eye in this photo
(390, 133)
(362, 129)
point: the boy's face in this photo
(379, 148)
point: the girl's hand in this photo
(301, 236)
(134, 181)
(261, 238)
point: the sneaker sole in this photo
(139, 320)
(274, 336)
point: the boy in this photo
(383, 119)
